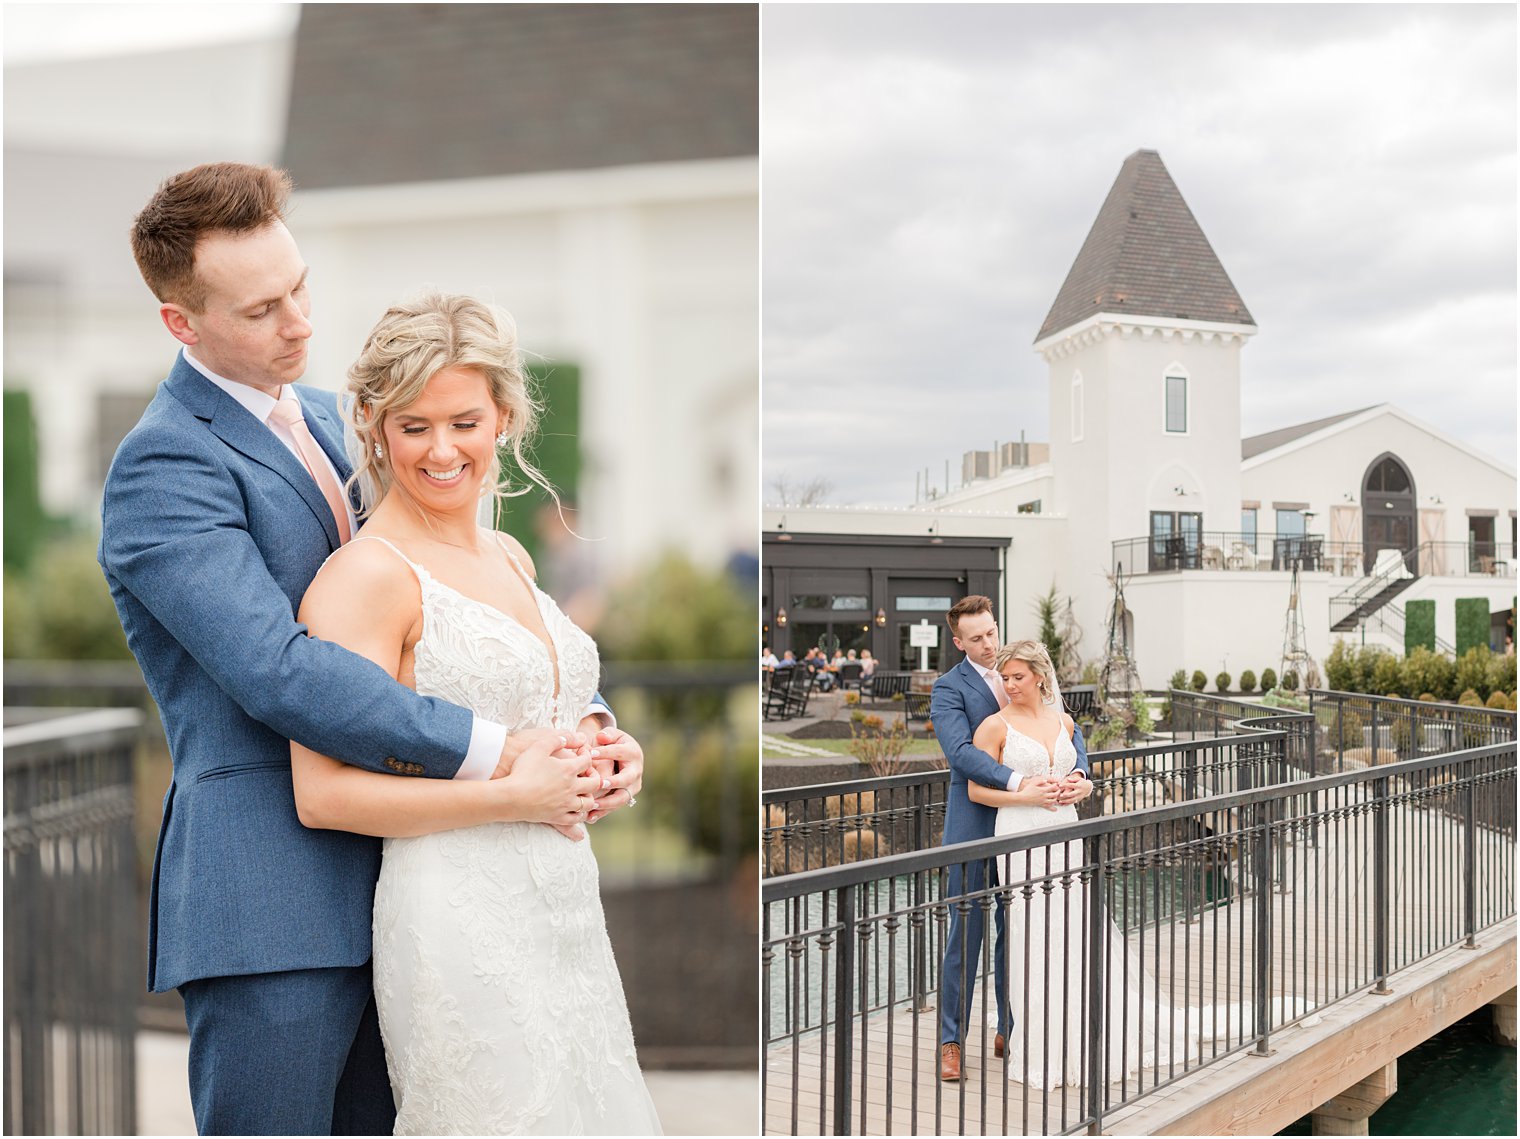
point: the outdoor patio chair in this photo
(797, 694)
(1242, 556)
(777, 684)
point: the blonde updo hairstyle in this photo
(1037, 657)
(410, 345)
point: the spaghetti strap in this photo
(422, 574)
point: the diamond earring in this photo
(379, 454)
(501, 440)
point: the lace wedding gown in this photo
(1046, 944)
(499, 1001)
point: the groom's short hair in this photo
(966, 607)
(218, 197)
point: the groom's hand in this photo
(1074, 788)
(519, 742)
(627, 769)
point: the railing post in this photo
(1373, 759)
(1097, 1004)
(1470, 871)
(844, 1010)
(1380, 882)
(1262, 872)
(919, 944)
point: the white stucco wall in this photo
(1327, 470)
(644, 277)
(1217, 620)
(1125, 463)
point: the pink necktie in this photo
(995, 682)
(288, 412)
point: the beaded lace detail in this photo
(499, 999)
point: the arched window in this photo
(1388, 477)
(1077, 425)
(1175, 399)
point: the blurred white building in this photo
(593, 169)
(1147, 471)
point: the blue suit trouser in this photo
(963, 954)
(295, 1053)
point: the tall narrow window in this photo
(1076, 408)
(1176, 403)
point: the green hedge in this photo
(1472, 623)
(1419, 625)
(25, 522)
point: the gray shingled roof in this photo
(1254, 445)
(385, 93)
(1146, 255)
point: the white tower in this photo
(1143, 344)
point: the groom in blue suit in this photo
(214, 523)
(963, 697)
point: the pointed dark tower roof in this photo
(1146, 256)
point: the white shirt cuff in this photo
(601, 712)
(1014, 779)
(486, 741)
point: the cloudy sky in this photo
(929, 174)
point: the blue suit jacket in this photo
(960, 702)
(211, 532)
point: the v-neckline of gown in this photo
(1049, 749)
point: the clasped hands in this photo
(1049, 792)
(569, 778)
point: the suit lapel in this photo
(977, 689)
(234, 425)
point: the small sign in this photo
(923, 636)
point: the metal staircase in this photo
(1390, 577)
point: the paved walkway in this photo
(690, 1103)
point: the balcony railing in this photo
(74, 951)
(1231, 916)
(1237, 551)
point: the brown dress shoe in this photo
(998, 1045)
(950, 1061)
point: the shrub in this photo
(1222, 682)
(1248, 681)
(1340, 667)
(62, 609)
(1497, 699)
(857, 716)
(1348, 734)
(852, 698)
(1420, 625)
(1472, 671)
(1426, 671)
(1268, 680)
(1501, 672)
(1091, 673)
(1200, 682)
(1290, 681)
(879, 750)
(1428, 697)
(1179, 680)
(1470, 698)
(1141, 707)
(1385, 674)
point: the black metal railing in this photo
(672, 864)
(74, 950)
(834, 823)
(1153, 943)
(1243, 551)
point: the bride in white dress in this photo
(1046, 1046)
(499, 1000)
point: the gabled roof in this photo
(397, 93)
(1312, 434)
(1146, 256)
(1254, 445)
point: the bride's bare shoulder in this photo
(990, 731)
(517, 550)
(368, 573)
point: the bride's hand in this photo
(1040, 791)
(549, 785)
(517, 742)
(628, 777)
